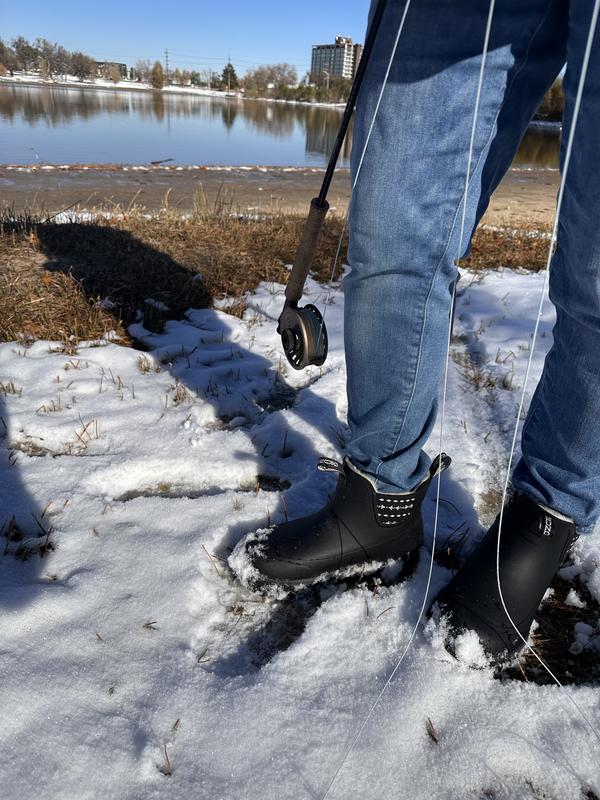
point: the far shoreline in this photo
(185, 91)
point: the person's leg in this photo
(406, 208)
(557, 480)
(404, 231)
(560, 464)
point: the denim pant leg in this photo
(560, 464)
(406, 208)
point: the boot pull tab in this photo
(439, 464)
(330, 465)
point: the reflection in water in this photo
(158, 105)
(539, 147)
(322, 130)
(57, 106)
(229, 113)
(189, 126)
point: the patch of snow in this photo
(586, 638)
(132, 642)
(469, 650)
(573, 599)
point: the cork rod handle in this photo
(306, 250)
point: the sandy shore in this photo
(523, 196)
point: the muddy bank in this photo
(524, 196)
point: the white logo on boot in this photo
(547, 526)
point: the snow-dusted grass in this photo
(72, 81)
(134, 665)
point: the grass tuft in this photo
(77, 281)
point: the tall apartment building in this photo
(340, 59)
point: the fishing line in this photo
(389, 679)
(534, 337)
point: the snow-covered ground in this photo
(101, 83)
(133, 663)
(72, 81)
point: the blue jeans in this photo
(405, 224)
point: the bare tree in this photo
(553, 104)
(270, 75)
(82, 66)
(8, 58)
(62, 60)
(283, 74)
(47, 54)
(26, 54)
(143, 69)
(113, 73)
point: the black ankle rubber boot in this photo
(357, 527)
(533, 545)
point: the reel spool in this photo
(303, 335)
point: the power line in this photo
(205, 62)
(189, 57)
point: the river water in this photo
(58, 125)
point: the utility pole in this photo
(228, 72)
(166, 65)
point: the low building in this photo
(105, 69)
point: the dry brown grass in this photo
(54, 276)
(553, 639)
(77, 280)
(525, 247)
(40, 304)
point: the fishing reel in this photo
(303, 335)
(302, 330)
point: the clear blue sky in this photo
(199, 34)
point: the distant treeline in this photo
(277, 81)
(51, 60)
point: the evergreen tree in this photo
(157, 76)
(229, 77)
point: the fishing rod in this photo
(302, 329)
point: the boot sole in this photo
(352, 576)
